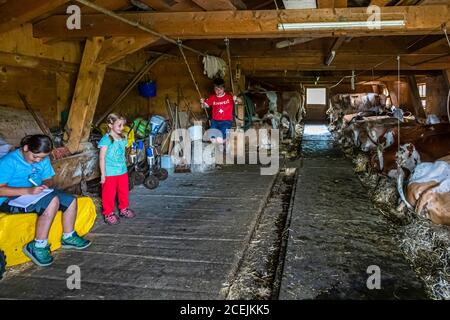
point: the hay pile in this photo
(427, 247)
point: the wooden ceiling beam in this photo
(380, 3)
(48, 65)
(332, 52)
(290, 74)
(108, 4)
(331, 4)
(13, 13)
(342, 62)
(173, 5)
(220, 5)
(427, 45)
(117, 48)
(248, 24)
(43, 64)
(160, 5)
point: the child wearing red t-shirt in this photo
(222, 104)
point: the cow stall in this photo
(404, 164)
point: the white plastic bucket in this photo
(195, 133)
(167, 163)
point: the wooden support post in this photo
(63, 93)
(415, 98)
(392, 88)
(84, 101)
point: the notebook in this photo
(29, 199)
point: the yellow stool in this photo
(16, 230)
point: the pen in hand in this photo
(38, 189)
(33, 183)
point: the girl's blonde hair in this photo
(111, 119)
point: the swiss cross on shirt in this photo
(222, 107)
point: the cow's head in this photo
(407, 156)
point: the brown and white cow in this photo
(420, 144)
(364, 104)
(355, 127)
(428, 190)
(409, 156)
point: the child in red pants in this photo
(113, 169)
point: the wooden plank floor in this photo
(188, 235)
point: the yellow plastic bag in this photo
(126, 131)
(16, 230)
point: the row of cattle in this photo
(276, 110)
(405, 151)
(344, 104)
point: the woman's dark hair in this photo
(37, 143)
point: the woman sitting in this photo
(28, 171)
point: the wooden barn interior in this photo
(309, 230)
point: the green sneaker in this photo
(75, 242)
(40, 256)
